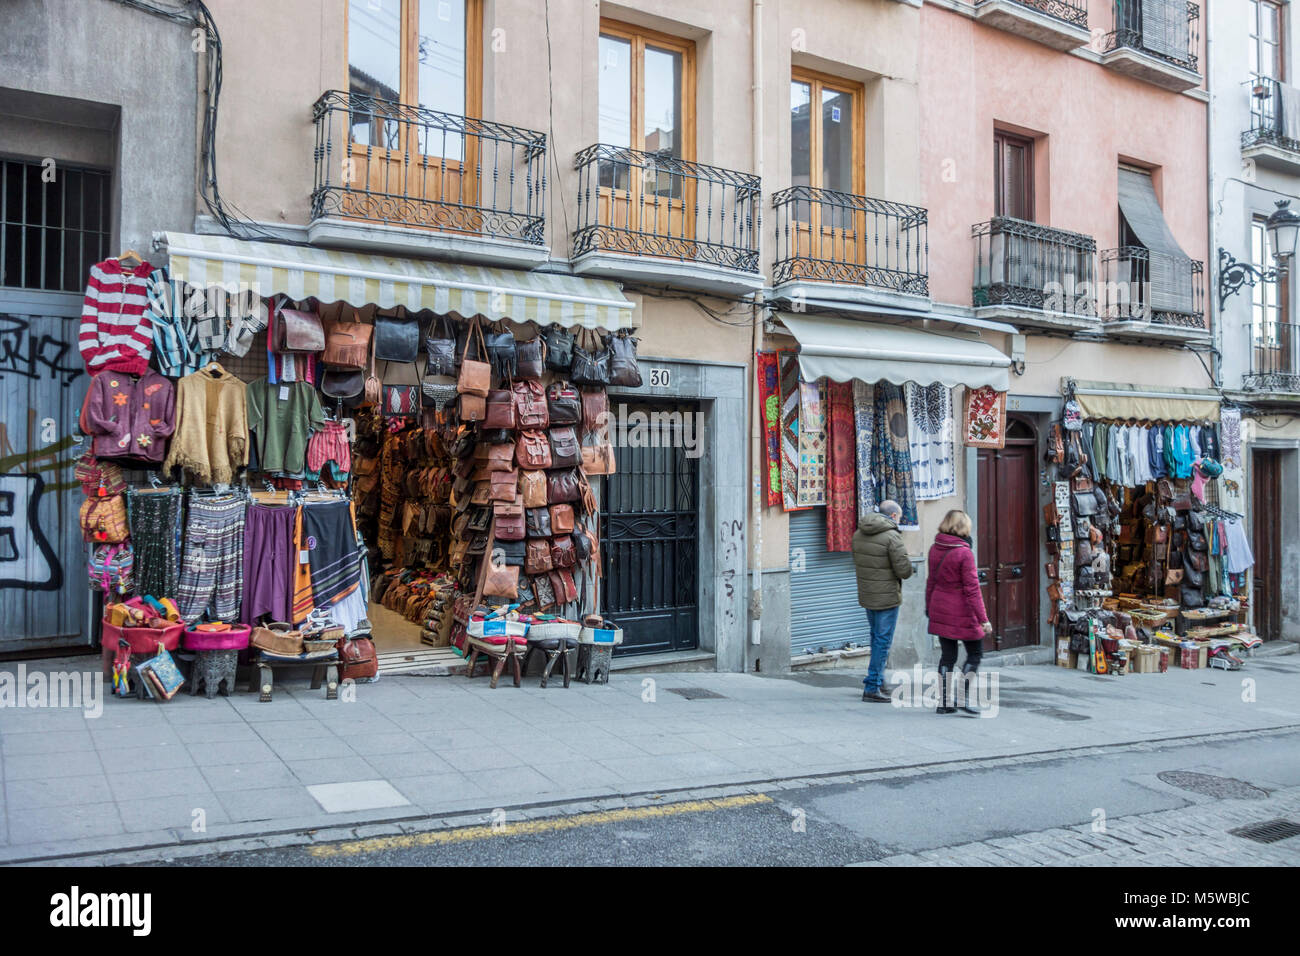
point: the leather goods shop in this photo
(378, 459)
(1149, 558)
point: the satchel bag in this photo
(475, 377)
(562, 552)
(510, 519)
(623, 369)
(502, 581)
(1173, 576)
(537, 523)
(357, 658)
(559, 348)
(342, 382)
(110, 567)
(530, 358)
(561, 519)
(501, 350)
(590, 365)
(598, 459)
(565, 450)
(533, 450)
(1197, 560)
(533, 487)
(1085, 504)
(563, 404)
(504, 485)
(530, 405)
(482, 493)
(347, 344)
(440, 348)
(509, 552)
(562, 486)
(397, 337)
(595, 411)
(103, 520)
(500, 409)
(1193, 577)
(542, 587)
(471, 408)
(479, 520)
(297, 331)
(401, 401)
(566, 591)
(1197, 542)
(537, 556)
(496, 457)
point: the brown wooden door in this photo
(1266, 505)
(1007, 538)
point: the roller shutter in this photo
(824, 609)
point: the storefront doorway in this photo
(1265, 507)
(1007, 536)
(649, 531)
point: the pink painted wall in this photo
(974, 77)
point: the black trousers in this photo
(948, 654)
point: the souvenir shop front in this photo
(1148, 551)
(855, 413)
(374, 441)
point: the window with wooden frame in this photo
(646, 105)
(826, 153)
(405, 59)
(1013, 176)
(1271, 331)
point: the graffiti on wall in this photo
(27, 559)
(32, 356)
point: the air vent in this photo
(1270, 831)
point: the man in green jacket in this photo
(882, 565)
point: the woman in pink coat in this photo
(955, 607)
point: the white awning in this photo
(1165, 403)
(845, 349)
(329, 275)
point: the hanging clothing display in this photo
(769, 397)
(841, 467)
(129, 415)
(157, 533)
(211, 577)
(812, 445)
(892, 460)
(211, 436)
(864, 416)
(281, 419)
(790, 430)
(329, 539)
(270, 553)
(115, 333)
(1240, 557)
(930, 440)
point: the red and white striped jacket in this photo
(116, 334)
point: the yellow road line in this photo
(466, 834)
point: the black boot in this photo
(946, 687)
(968, 704)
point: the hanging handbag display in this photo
(440, 347)
(595, 411)
(471, 408)
(501, 581)
(475, 377)
(103, 520)
(500, 409)
(110, 567)
(530, 358)
(537, 556)
(559, 348)
(537, 522)
(566, 591)
(342, 382)
(510, 552)
(533, 487)
(561, 519)
(598, 459)
(297, 331)
(504, 485)
(99, 479)
(397, 337)
(562, 486)
(501, 350)
(563, 404)
(347, 344)
(590, 365)
(623, 368)
(542, 586)
(401, 401)
(565, 450)
(530, 405)
(562, 552)
(510, 519)
(533, 450)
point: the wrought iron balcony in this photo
(653, 204)
(1166, 29)
(828, 236)
(1073, 12)
(1023, 264)
(1267, 125)
(1141, 286)
(385, 162)
(1274, 358)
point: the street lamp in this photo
(1283, 229)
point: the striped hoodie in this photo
(116, 334)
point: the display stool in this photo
(510, 650)
(593, 663)
(325, 669)
(554, 648)
(212, 669)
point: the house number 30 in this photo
(660, 377)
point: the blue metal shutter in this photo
(824, 609)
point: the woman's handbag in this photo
(342, 382)
(347, 344)
(297, 331)
(500, 409)
(623, 369)
(530, 359)
(471, 408)
(537, 522)
(533, 451)
(533, 487)
(566, 591)
(561, 519)
(559, 348)
(537, 556)
(397, 339)
(501, 581)
(504, 485)
(530, 405)
(590, 364)
(565, 450)
(563, 404)
(475, 377)
(103, 520)
(440, 348)
(562, 486)
(357, 658)
(595, 411)
(542, 587)
(501, 350)
(598, 459)
(509, 519)
(99, 479)
(562, 552)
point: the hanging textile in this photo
(841, 467)
(790, 430)
(930, 440)
(330, 540)
(1232, 482)
(864, 414)
(156, 539)
(769, 397)
(984, 418)
(892, 462)
(270, 553)
(211, 577)
(812, 444)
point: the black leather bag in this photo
(623, 369)
(559, 348)
(397, 339)
(590, 364)
(563, 404)
(440, 348)
(1191, 577)
(512, 552)
(529, 362)
(342, 382)
(537, 522)
(502, 352)
(1085, 503)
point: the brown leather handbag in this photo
(530, 405)
(297, 331)
(562, 486)
(533, 486)
(565, 450)
(475, 377)
(509, 519)
(500, 409)
(502, 581)
(562, 552)
(598, 459)
(482, 493)
(347, 344)
(472, 408)
(534, 450)
(357, 658)
(595, 410)
(504, 485)
(561, 519)
(537, 556)
(500, 457)
(562, 582)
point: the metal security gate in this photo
(824, 609)
(649, 533)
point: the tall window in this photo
(825, 133)
(1266, 39)
(1013, 176)
(1269, 300)
(423, 53)
(51, 233)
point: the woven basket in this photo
(279, 642)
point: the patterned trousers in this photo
(212, 560)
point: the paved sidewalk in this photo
(157, 775)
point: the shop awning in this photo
(1170, 269)
(1144, 403)
(330, 275)
(845, 349)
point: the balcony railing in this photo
(1073, 12)
(1144, 286)
(1166, 29)
(653, 204)
(828, 236)
(387, 162)
(1019, 263)
(1267, 123)
(1274, 358)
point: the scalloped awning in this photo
(330, 275)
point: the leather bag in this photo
(623, 368)
(533, 487)
(530, 358)
(595, 411)
(561, 519)
(563, 404)
(501, 581)
(1193, 577)
(440, 348)
(562, 552)
(590, 365)
(472, 408)
(509, 519)
(297, 331)
(537, 523)
(542, 587)
(1085, 504)
(559, 348)
(347, 344)
(496, 457)
(533, 450)
(565, 450)
(357, 658)
(511, 552)
(530, 405)
(501, 349)
(562, 486)
(397, 338)
(566, 591)
(1191, 597)
(342, 382)
(475, 377)
(598, 459)
(537, 556)
(504, 485)
(500, 409)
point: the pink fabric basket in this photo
(235, 639)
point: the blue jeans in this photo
(882, 638)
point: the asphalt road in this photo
(841, 824)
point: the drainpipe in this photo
(1211, 250)
(756, 410)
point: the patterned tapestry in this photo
(789, 430)
(864, 416)
(812, 444)
(892, 460)
(841, 467)
(769, 396)
(930, 440)
(984, 418)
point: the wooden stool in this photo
(553, 648)
(593, 663)
(324, 670)
(212, 669)
(497, 652)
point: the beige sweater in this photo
(211, 437)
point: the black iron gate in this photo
(650, 529)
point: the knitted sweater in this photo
(211, 436)
(116, 334)
(129, 417)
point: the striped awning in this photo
(330, 275)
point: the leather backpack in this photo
(562, 486)
(563, 554)
(357, 658)
(533, 486)
(533, 451)
(537, 523)
(563, 404)
(504, 485)
(561, 519)
(510, 519)
(530, 405)
(347, 344)
(297, 331)
(565, 450)
(537, 556)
